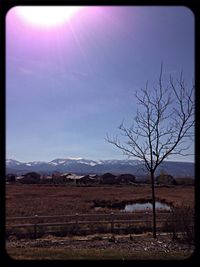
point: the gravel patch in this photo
(162, 243)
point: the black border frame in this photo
(4, 8)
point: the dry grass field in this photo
(28, 200)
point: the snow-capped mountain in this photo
(69, 161)
(85, 166)
(12, 162)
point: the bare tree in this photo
(160, 127)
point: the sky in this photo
(70, 84)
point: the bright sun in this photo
(47, 16)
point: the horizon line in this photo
(81, 158)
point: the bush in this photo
(165, 179)
(185, 181)
(10, 177)
(180, 223)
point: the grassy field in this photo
(91, 254)
(28, 200)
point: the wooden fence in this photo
(83, 223)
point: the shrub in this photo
(10, 177)
(165, 179)
(180, 223)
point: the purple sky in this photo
(69, 86)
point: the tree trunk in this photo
(153, 205)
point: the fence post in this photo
(35, 227)
(147, 217)
(112, 222)
(76, 222)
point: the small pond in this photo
(146, 206)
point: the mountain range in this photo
(87, 166)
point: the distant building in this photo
(108, 178)
(87, 179)
(126, 178)
(31, 178)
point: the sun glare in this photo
(47, 16)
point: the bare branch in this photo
(165, 119)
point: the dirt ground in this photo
(122, 244)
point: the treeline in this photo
(107, 178)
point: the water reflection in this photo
(145, 206)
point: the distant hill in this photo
(86, 166)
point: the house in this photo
(126, 179)
(108, 178)
(31, 178)
(87, 179)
